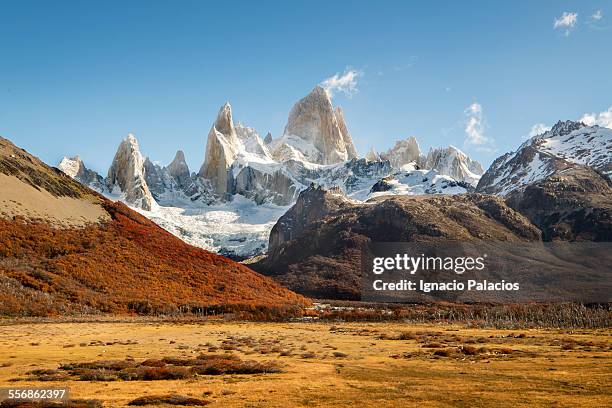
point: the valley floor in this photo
(325, 365)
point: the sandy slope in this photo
(20, 199)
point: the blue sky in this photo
(76, 77)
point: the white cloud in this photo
(603, 119)
(598, 15)
(567, 21)
(345, 83)
(474, 126)
(538, 129)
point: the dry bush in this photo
(444, 352)
(432, 345)
(156, 373)
(152, 362)
(167, 368)
(503, 316)
(168, 400)
(469, 350)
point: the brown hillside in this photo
(117, 262)
(315, 248)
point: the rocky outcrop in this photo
(572, 204)
(313, 204)
(221, 149)
(405, 152)
(268, 138)
(276, 187)
(174, 186)
(454, 163)
(75, 168)
(372, 155)
(316, 247)
(127, 174)
(567, 143)
(346, 136)
(315, 132)
(178, 168)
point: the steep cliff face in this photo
(573, 204)
(178, 168)
(346, 136)
(315, 132)
(313, 204)
(127, 175)
(221, 149)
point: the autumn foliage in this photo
(127, 265)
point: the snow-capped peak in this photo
(565, 144)
(562, 128)
(403, 152)
(70, 165)
(453, 162)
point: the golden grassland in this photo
(326, 365)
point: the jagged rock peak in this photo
(372, 155)
(453, 162)
(268, 138)
(315, 132)
(178, 167)
(224, 123)
(404, 152)
(562, 128)
(221, 147)
(127, 173)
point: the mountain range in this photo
(299, 207)
(249, 182)
(554, 187)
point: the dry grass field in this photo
(231, 364)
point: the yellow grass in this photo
(544, 368)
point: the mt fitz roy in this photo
(247, 182)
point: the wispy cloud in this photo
(474, 126)
(603, 119)
(566, 22)
(536, 130)
(345, 82)
(598, 15)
